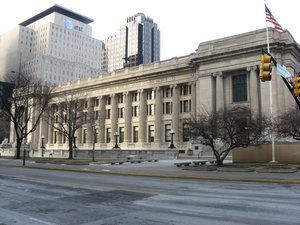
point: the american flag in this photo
(271, 19)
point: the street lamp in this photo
(42, 146)
(94, 139)
(116, 134)
(172, 132)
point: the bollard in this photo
(24, 155)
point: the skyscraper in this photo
(55, 46)
(137, 42)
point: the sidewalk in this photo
(167, 169)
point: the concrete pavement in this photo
(167, 169)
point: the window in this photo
(121, 134)
(135, 134)
(121, 98)
(185, 90)
(185, 133)
(167, 108)
(135, 97)
(150, 94)
(135, 111)
(167, 133)
(121, 112)
(108, 134)
(107, 113)
(151, 133)
(168, 92)
(108, 100)
(239, 88)
(84, 135)
(66, 118)
(96, 102)
(96, 115)
(55, 137)
(151, 109)
(185, 106)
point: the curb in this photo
(173, 176)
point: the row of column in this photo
(128, 122)
(253, 90)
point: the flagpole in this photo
(271, 96)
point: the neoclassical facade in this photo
(144, 103)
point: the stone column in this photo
(101, 119)
(61, 121)
(158, 117)
(142, 117)
(193, 99)
(90, 120)
(114, 116)
(128, 117)
(175, 112)
(219, 91)
(254, 88)
(50, 128)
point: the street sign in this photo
(282, 71)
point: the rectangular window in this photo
(96, 115)
(121, 134)
(55, 137)
(167, 133)
(168, 92)
(185, 90)
(151, 109)
(185, 133)
(150, 94)
(107, 113)
(135, 134)
(84, 135)
(135, 97)
(96, 102)
(85, 116)
(108, 134)
(167, 108)
(135, 111)
(185, 106)
(239, 88)
(151, 133)
(121, 112)
(108, 100)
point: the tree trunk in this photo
(18, 148)
(70, 149)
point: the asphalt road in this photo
(33, 196)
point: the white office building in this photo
(137, 42)
(55, 45)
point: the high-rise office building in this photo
(55, 46)
(137, 42)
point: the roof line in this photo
(58, 9)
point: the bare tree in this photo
(287, 124)
(225, 130)
(25, 106)
(67, 115)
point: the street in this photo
(34, 196)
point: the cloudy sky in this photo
(183, 23)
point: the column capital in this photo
(249, 68)
(218, 74)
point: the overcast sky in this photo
(183, 23)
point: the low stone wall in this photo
(284, 153)
(113, 154)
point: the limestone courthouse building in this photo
(143, 104)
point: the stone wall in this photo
(284, 153)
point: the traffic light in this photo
(296, 86)
(265, 67)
